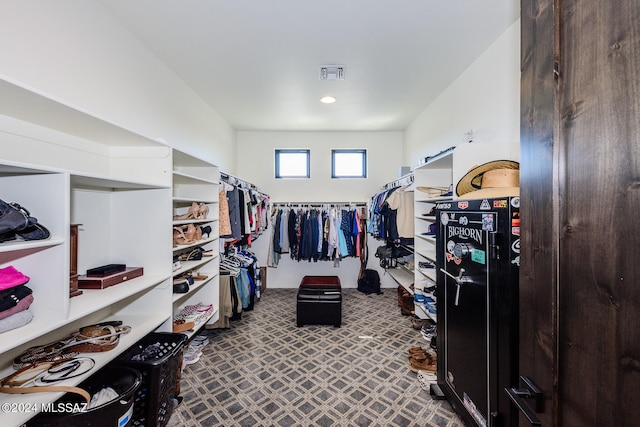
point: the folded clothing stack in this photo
(15, 299)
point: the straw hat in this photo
(499, 178)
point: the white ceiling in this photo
(256, 62)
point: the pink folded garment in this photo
(22, 305)
(10, 278)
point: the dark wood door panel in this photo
(537, 261)
(580, 187)
(599, 321)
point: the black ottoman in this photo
(319, 301)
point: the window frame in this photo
(279, 151)
(348, 151)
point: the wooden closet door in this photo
(580, 181)
(538, 220)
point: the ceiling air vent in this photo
(332, 72)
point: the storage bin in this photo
(319, 301)
(154, 398)
(116, 413)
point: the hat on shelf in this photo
(498, 178)
(433, 191)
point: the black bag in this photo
(384, 251)
(369, 282)
(16, 221)
(386, 256)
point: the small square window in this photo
(348, 163)
(292, 164)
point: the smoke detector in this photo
(332, 72)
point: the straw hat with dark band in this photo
(499, 178)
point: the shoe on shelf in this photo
(192, 213)
(199, 276)
(426, 264)
(191, 232)
(176, 264)
(181, 325)
(191, 310)
(203, 211)
(197, 314)
(179, 238)
(206, 230)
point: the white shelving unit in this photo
(436, 173)
(196, 181)
(403, 277)
(443, 170)
(69, 167)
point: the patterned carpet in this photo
(265, 371)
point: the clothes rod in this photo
(225, 177)
(318, 204)
(405, 179)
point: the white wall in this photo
(256, 164)
(76, 52)
(485, 99)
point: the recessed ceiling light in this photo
(328, 99)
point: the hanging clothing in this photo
(225, 303)
(233, 199)
(223, 208)
(314, 234)
(402, 202)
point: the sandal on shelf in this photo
(199, 276)
(181, 325)
(192, 213)
(179, 237)
(203, 211)
(89, 339)
(190, 232)
(185, 277)
(194, 255)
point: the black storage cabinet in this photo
(478, 262)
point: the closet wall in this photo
(485, 99)
(256, 164)
(76, 52)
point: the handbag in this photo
(16, 221)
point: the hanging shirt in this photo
(402, 202)
(223, 208)
(234, 212)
